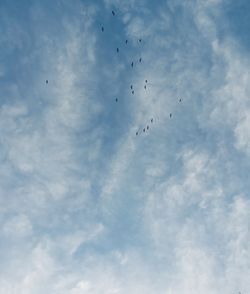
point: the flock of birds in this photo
(146, 128)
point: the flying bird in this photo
(140, 40)
(152, 120)
(132, 64)
(126, 41)
(113, 12)
(47, 81)
(136, 133)
(117, 50)
(145, 87)
(146, 81)
(140, 60)
(170, 115)
(116, 99)
(102, 29)
(133, 92)
(180, 100)
(131, 87)
(147, 127)
(144, 130)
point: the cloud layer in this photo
(86, 205)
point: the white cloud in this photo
(188, 232)
(19, 225)
(231, 97)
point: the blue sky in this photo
(86, 206)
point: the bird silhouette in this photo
(126, 41)
(47, 81)
(133, 92)
(145, 87)
(180, 100)
(144, 130)
(131, 87)
(140, 60)
(136, 133)
(116, 99)
(113, 12)
(152, 120)
(117, 50)
(102, 29)
(140, 40)
(132, 64)
(170, 115)
(147, 127)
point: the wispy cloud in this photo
(86, 205)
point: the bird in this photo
(145, 87)
(131, 87)
(144, 130)
(132, 64)
(140, 60)
(170, 115)
(147, 127)
(102, 29)
(180, 100)
(113, 12)
(136, 133)
(133, 92)
(117, 50)
(146, 81)
(47, 81)
(152, 120)
(139, 40)
(126, 41)
(116, 99)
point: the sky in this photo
(86, 205)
